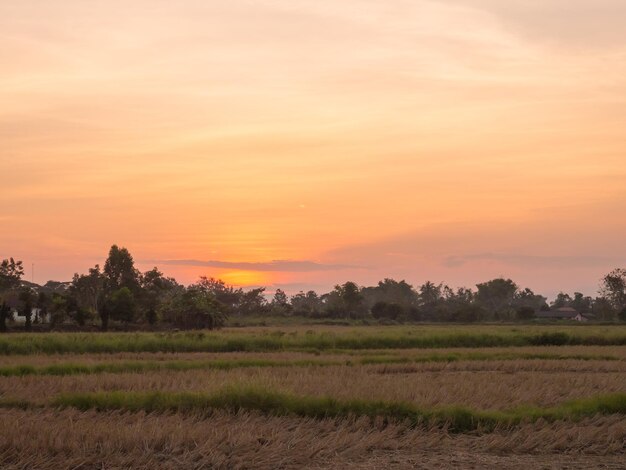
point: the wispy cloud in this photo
(571, 23)
(533, 260)
(274, 265)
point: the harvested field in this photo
(405, 407)
(50, 439)
(486, 384)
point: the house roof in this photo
(563, 312)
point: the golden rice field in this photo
(514, 406)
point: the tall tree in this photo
(119, 271)
(280, 303)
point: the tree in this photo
(603, 310)
(525, 313)
(497, 297)
(27, 299)
(613, 288)
(306, 305)
(154, 287)
(280, 303)
(391, 291)
(527, 299)
(386, 310)
(252, 302)
(581, 302)
(430, 300)
(347, 301)
(562, 300)
(88, 290)
(11, 273)
(119, 271)
(121, 305)
(194, 307)
(459, 306)
(227, 295)
(58, 310)
(42, 304)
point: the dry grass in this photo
(494, 378)
(484, 385)
(48, 439)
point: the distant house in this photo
(564, 313)
(37, 316)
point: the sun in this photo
(245, 278)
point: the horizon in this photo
(305, 144)
(295, 288)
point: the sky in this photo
(301, 144)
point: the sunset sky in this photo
(299, 144)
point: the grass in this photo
(120, 367)
(322, 396)
(234, 399)
(320, 339)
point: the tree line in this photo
(118, 292)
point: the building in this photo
(564, 313)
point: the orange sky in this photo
(449, 140)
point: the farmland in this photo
(539, 396)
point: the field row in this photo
(237, 398)
(482, 385)
(310, 340)
(148, 365)
(51, 439)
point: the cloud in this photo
(572, 23)
(275, 265)
(533, 261)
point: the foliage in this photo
(307, 305)
(11, 273)
(119, 270)
(121, 305)
(280, 303)
(195, 307)
(613, 288)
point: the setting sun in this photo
(246, 278)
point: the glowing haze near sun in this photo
(450, 140)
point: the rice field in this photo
(332, 397)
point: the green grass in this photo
(143, 366)
(320, 339)
(151, 366)
(454, 418)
